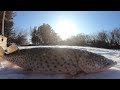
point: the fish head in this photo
(107, 63)
(95, 63)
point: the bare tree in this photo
(115, 37)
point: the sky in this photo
(68, 23)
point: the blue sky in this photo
(87, 22)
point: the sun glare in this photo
(66, 28)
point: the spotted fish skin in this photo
(45, 60)
(59, 60)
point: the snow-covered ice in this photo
(7, 72)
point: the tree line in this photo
(45, 35)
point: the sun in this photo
(66, 28)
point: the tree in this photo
(79, 40)
(44, 35)
(92, 39)
(8, 24)
(35, 36)
(115, 37)
(102, 39)
(19, 37)
(102, 36)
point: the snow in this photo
(7, 72)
